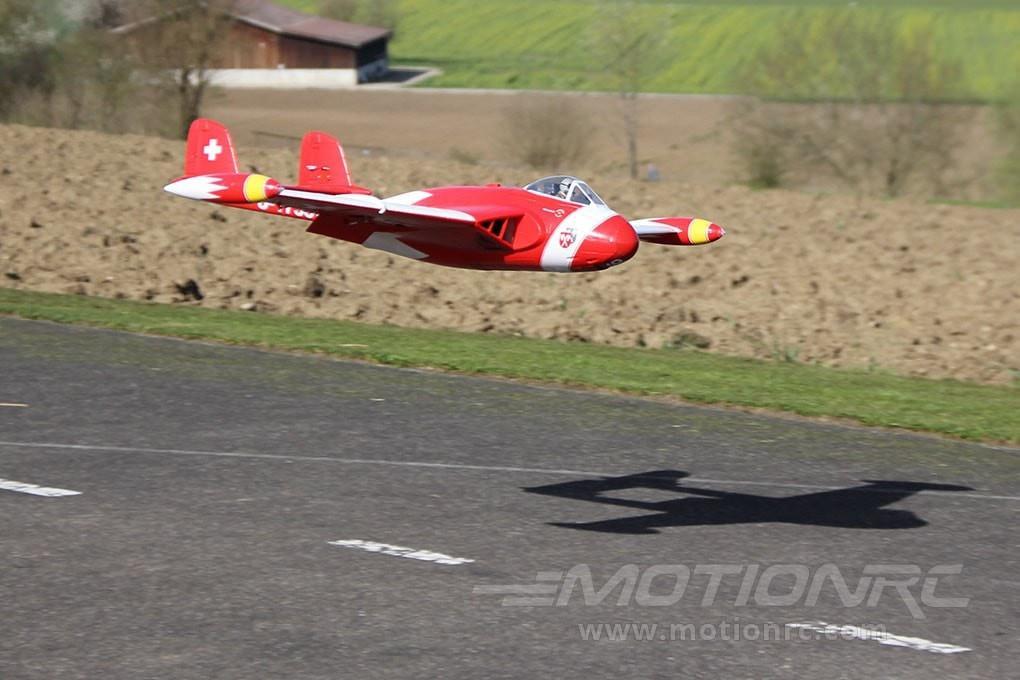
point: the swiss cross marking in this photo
(212, 150)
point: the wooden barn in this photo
(273, 46)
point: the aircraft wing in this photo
(425, 223)
(369, 206)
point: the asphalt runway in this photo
(246, 514)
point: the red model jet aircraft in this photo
(554, 224)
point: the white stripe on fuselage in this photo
(409, 198)
(583, 221)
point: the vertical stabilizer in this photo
(323, 166)
(210, 150)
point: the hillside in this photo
(549, 45)
(892, 285)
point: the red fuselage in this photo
(542, 233)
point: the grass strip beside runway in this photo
(969, 411)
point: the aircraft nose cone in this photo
(701, 231)
(611, 243)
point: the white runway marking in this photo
(881, 637)
(35, 489)
(400, 551)
(13, 405)
(468, 466)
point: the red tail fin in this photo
(210, 149)
(323, 166)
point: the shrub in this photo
(1009, 126)
(547, 132)
(877, 119)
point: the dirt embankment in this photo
(911, 288)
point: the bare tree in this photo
(627, 41)
(95, 75)
(27, 39)
(875, 116)
(180, 42)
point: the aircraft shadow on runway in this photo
(858, 507)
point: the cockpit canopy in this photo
(566, 188)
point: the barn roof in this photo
(272, 17)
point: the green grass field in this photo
(552, 45)
(948, 407)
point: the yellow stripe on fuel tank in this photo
(255, 188)
(697, 231)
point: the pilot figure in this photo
(564, 189)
